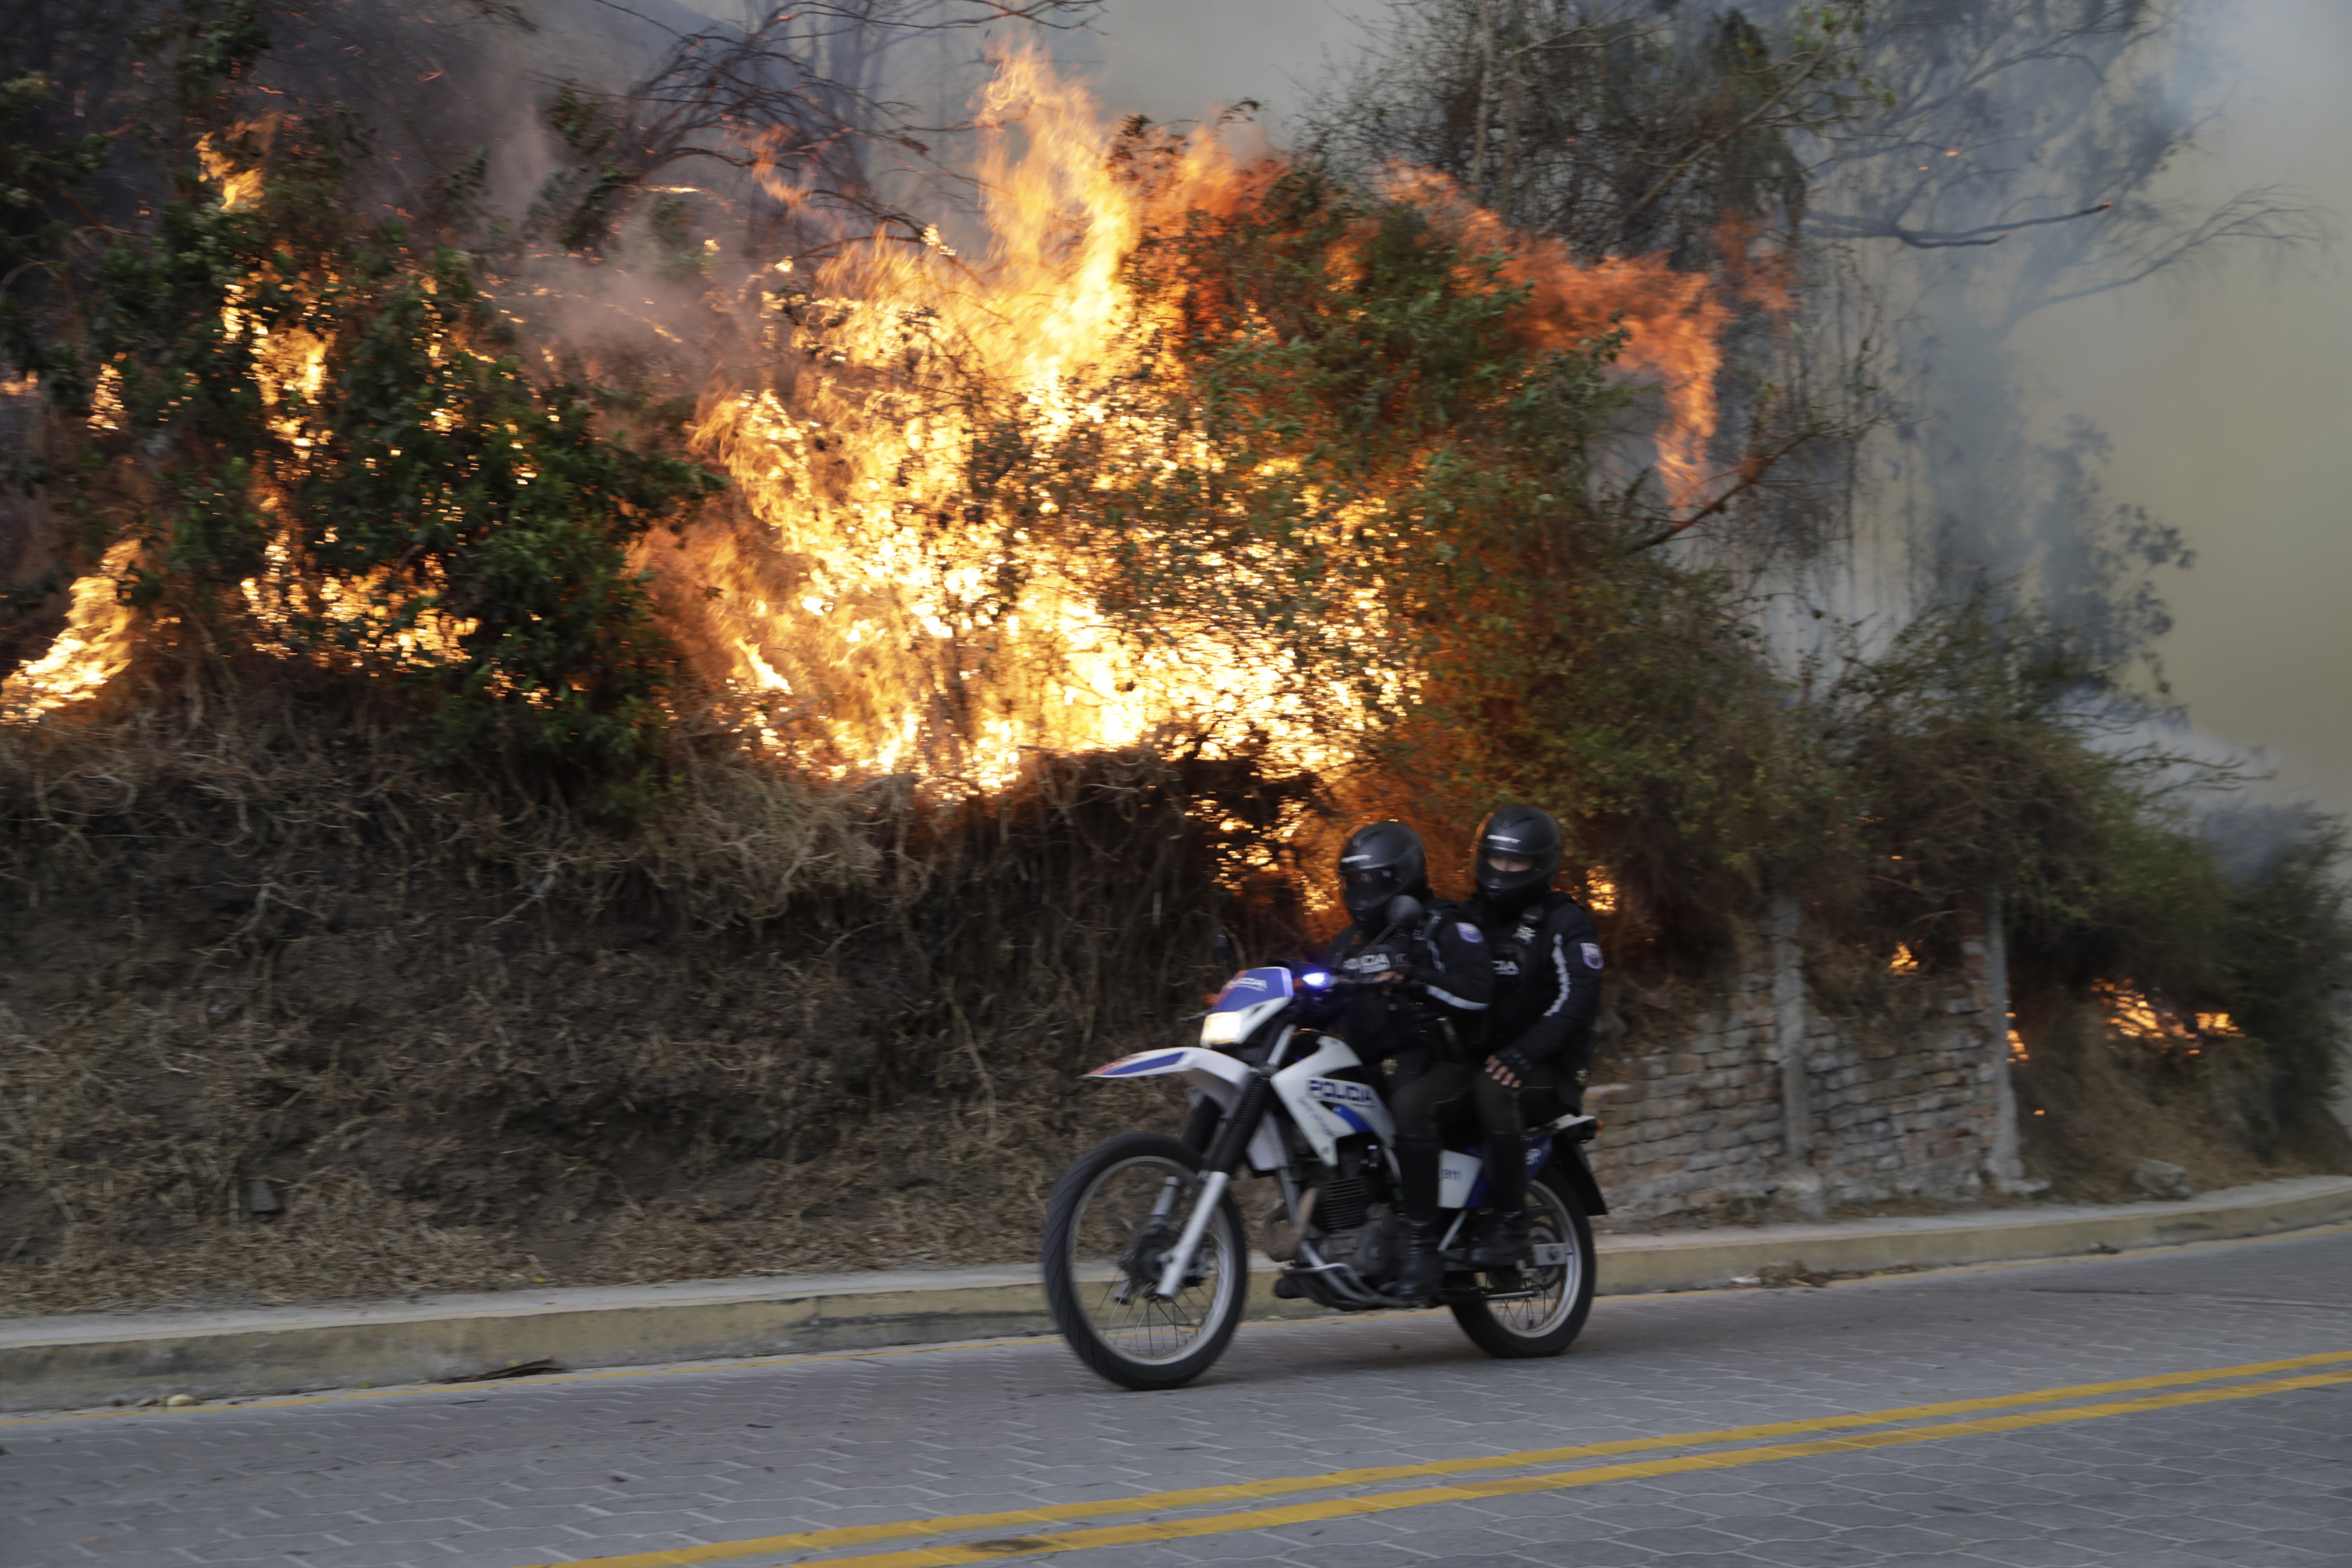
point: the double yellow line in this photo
(986, 1551)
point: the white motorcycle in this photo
(1146, 1257)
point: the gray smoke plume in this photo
(2022, 166)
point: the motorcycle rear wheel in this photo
(1112, 1218)
(1542, 1325)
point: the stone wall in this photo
(1697, 1122)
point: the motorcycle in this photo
(1146, 1257)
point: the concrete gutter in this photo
(1688, 1260)
(66, 1362)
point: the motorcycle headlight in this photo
(1224, 1029)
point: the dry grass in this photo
(473, 1041)
(2107, 1102)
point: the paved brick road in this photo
(586, 1468)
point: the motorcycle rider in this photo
(1433, 984)
(1547, 958)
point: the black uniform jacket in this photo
(1440, 1006)
(1547, 984)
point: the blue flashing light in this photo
(1315, 978)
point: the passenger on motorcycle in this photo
(1547, 958)
(1433, 983)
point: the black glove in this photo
(1515, 1060)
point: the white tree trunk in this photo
(2003, 1163)
(1801, 1185)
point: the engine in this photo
(1351, 1222)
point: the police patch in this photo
(1592, 953)
(1469, 932)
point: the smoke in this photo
(2222, 398)
(2252, 839)
(1196, 60)
(2027, 166)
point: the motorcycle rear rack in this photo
(1576, 1125)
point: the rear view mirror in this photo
(1223, 954)
(1403, 909)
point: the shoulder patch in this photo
(1592, 953)
(1469, 932)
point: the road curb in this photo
(56, 1364)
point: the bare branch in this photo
(1751, 472)
(1842, 228)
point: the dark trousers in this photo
(1436, 1098)
(1429, 1102)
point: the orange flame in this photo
(871, 602)
(874, 619)
(239, 187)
(93, 649)
(1674, 320)
(883, 625)
(2141, 1017)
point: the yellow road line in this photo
(1473, 1492)
(1054, 1513)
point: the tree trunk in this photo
(1485, 100)
(1801, 1185)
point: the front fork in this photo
(1224, 1158)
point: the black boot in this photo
(1420, 1274)
(1503, 1241)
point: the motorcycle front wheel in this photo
(1113, 1218)
(1559, 1296)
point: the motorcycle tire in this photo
(1101, 1242)
(1525, 1330)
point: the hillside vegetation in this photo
(571, 712)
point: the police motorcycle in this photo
(1147, 1260)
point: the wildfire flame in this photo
(1676, 320)
(93, 649)
(871, 601)
(865, 610)
(2140, 1016)
(874, 619)
(239, 187)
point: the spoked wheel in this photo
(1543, 1322)
(1114, 1216)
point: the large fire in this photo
(873, 617)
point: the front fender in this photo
(1213, 1073)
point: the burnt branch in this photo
(1751, 473)
(788, 106)
(1838, 227)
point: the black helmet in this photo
(1378, 863)
(1522, 832)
